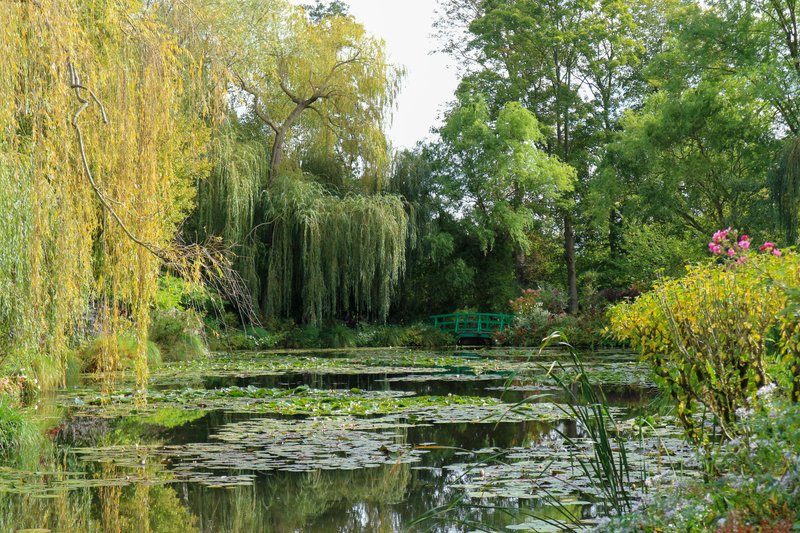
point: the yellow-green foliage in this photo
(323, 83)
(64, 256)
(718, 334)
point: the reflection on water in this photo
(136, 487)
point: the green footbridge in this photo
(472, 325)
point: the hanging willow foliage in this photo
(336, 253)
(67, 259)
(227, 201)
(784, 181)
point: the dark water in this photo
(65, 491)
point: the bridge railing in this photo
(475, 323)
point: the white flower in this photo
(767, 391)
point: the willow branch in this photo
(218, 272)
(74, 83)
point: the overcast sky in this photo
(406, 26)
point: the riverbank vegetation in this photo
(188, 184)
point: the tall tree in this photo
(309, 77)
(697, 159)
(753, 49)
(315, 234)
(499, 180)
(567, 62)
(98, 160)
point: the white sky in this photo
(431, 80)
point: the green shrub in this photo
(370, 336)
(337, 336)
(89, 356)
(425, 336)
(711, 336)
(529, 313)
(249, 339)
(178, 334)
(584, 330)
(303, 337)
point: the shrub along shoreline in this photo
(724, 344)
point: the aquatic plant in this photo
(610, 470)
(18, 433)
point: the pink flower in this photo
(714, 248)
(731, 253)
(776, 252)
(767, 247)
(721, 235)
(741, 260)
(744, 244)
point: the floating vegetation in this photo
(446, 377)
(551, 468)
(441, 421)
(267, 444)
(614, 369)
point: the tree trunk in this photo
(569, 256)
(614, 232)
(276, 155)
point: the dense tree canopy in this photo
(122, 118)
(312, 78)
(677, 117)
(242, 143)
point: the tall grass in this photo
(609, 470)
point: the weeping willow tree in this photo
(336, 253)
(229, 201)
(784, 181)
(98, 156)
(299, 166)
(306, 78)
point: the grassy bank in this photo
(330, 335)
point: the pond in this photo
(379, 440)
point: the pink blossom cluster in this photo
(11, 384)
(727, 242)
(770, 248)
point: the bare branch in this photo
(264, 118)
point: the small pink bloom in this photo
(741, 260)
(776, 252)
(744, 244)
(767, 247)
(731, 253)
(720, 235)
